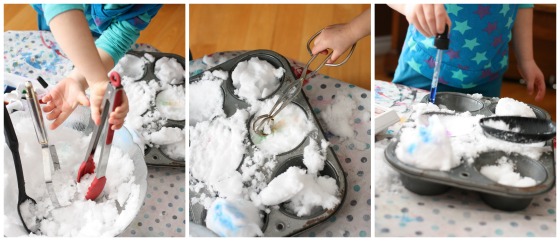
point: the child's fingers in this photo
(118, 114)
(49, 107)
(47, 98)
(82, 99)
(441, 18)
(96, 114)
(430, 18)
(116, 123)
(60, 119)
(53, 114)
(421, 19)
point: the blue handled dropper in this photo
(441, 42)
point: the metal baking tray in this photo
(279, 222)
(154, 156)
(467, 176)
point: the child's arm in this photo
(428, 19)
(71, 31)
(523, 45)
(340, 37)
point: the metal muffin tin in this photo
(279, 222)
(467, 176)
(154, 156)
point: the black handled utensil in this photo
(519, 129)
(13, 144)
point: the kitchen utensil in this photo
(260, 123)
(520, 129)
(50, 157)
(441, 42)
(12, 142)
(104, 133)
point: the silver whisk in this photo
(293, 88)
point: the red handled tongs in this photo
(112, 99)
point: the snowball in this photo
(206, 100)
(166, 135)
(254, 79)
(314, 157)
(217, 147)
(504, 174)
(169, 71)
(171, 102)
(338, 116)
(131, 66)
(234, 218)
(427, 147)
(511, 107)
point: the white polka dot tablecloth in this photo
(458, 212)
(354, 216)
(35, 53)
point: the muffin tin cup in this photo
(467, 176)
(279, 221)
(154, 156)
(271, 59)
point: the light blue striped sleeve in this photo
(117, 39)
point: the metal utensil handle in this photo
(333, 64)
(12, 141)
(116, 97)
(36, 114)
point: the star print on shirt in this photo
(431, 62)
(428, 43)
(459, 75)
(453, 9)
(414, 65)
(490, 28)
(411, 44)
(504, 61)
(505, 9)
(468, 86)
(452, 54)
(480, 57)
(462, 26)
(471, 43)
(497, 41)
(510, 21)
(482, 11)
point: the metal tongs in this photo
(50, 157)
(262, 123)
(111, 99)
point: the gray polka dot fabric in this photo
(163, 211)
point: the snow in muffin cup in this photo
(289, 130)
(169, 71)
(131, 67)
(256, 79)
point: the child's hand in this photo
(116, 117)
(534, 77)
(428, 19)
(337, 37)
(63, 99)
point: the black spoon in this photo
(521, 129)
(13, 144)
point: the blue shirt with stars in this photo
(478, 49)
